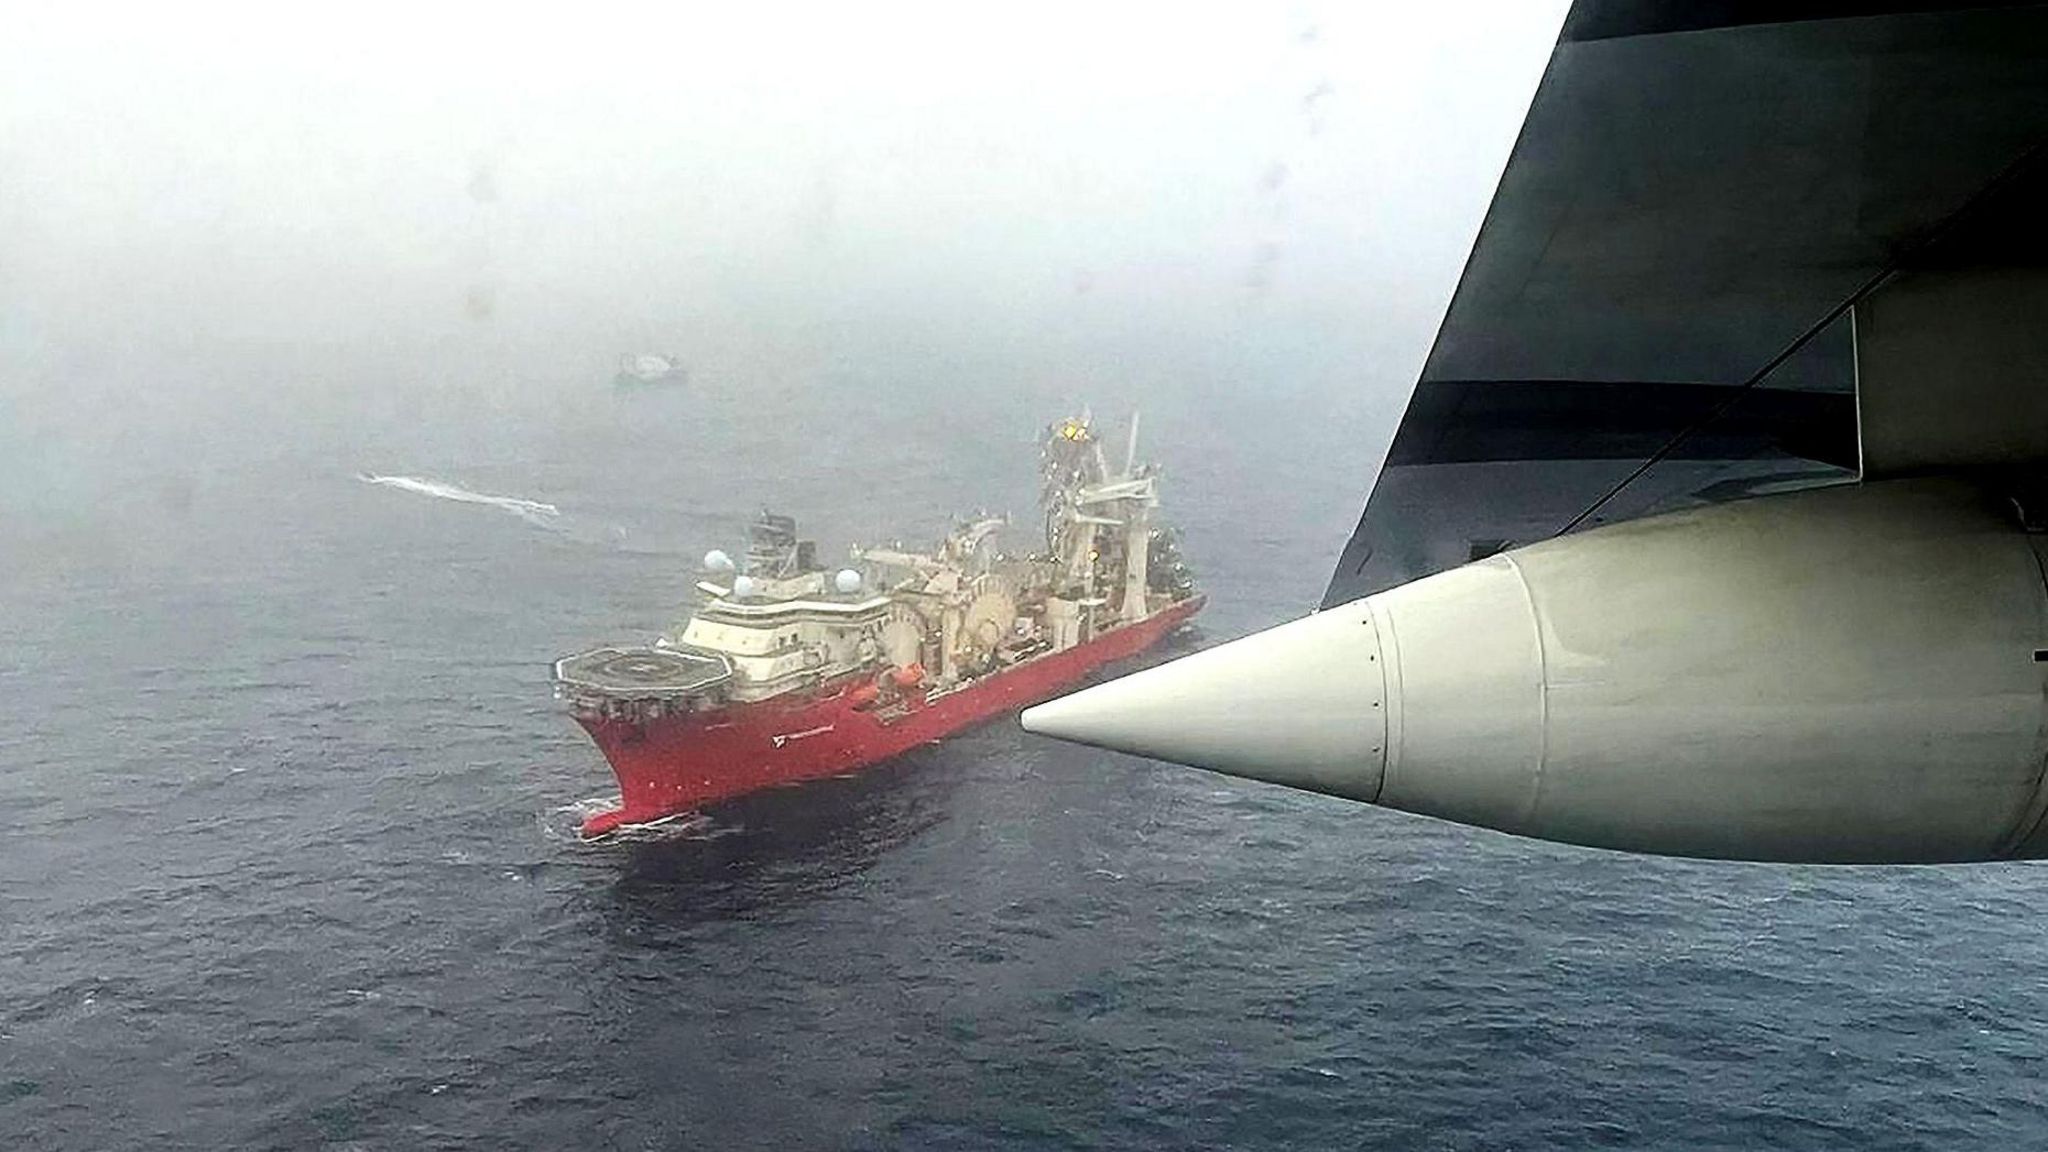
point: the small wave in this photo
(564, 825)
(532, 511)
(681, 826)
(590, 806)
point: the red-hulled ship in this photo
(790, 671)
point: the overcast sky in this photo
(201, 187)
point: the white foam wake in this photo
(532, 511)
(564, 824)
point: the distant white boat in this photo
(649, 368)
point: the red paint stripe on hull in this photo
(677, 763)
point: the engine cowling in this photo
(1843, 674)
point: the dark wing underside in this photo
(1656, 310)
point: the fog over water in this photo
(338, 223)
(310, 461)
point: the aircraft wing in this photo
(1792, 251)
(1658, 309)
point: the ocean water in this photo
(284, 864)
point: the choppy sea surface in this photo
(284, 863)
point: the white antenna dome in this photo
(743, 586)
(847, 581)
(717, 561)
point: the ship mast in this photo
(1137, 535)
(1086, 503)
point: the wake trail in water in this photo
(569, 528)
(563, 825)
(531, 511)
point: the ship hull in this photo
(674, 764)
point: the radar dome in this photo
(743, 586)
(847, 581)
(717, 561)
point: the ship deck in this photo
(643, 673)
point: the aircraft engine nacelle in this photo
(1841, 674)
